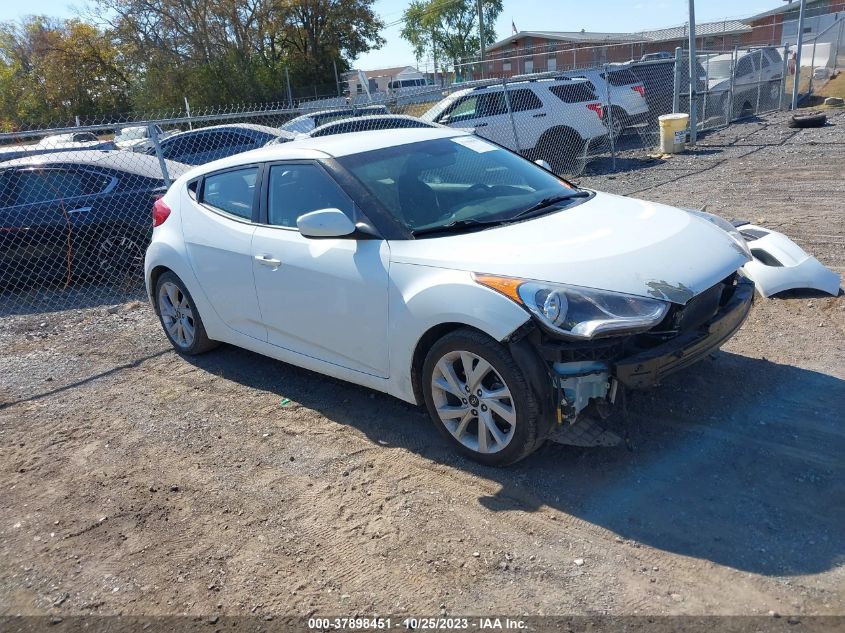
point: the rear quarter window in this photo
(231, 191)
(523, 99)
(621, 78)
(573, 92)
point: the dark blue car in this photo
(206, 144)
(73, 215)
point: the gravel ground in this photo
(135, 481)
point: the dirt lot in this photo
(135, 481)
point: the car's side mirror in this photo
(544, 164)
(325, 223)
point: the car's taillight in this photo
(640, 89)
(160, 212)
(597, 108)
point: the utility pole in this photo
(798, 47)
(481, 34)
(693, 76)
(336, 77)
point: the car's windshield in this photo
(131, 134)
(457, 181)
(718, 69)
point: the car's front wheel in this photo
(480, 400)
(179, 316)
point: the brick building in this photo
(541, 51)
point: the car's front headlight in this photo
(726, 226)
(579, 313)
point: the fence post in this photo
(153, 130)
(676, 91)
(608, 117)
(784, 73)
(812, 68)
(706, 91)
(517, 148)
(759, 83)
(729, 111)
(287, 81)
(838, 44)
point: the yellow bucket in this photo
(673, 132)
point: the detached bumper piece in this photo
(648, 368)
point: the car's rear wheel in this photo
(179, 316)
(562, 149)
(480, 400)
(615, 122)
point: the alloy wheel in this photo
(120, 253)
(176, 314)
(473, 402)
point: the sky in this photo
(527, 15)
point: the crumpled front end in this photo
(587, 377)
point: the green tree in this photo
(235, 51)
(448, 29)
(52, 70)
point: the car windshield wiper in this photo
(545, 203)
(457, 226)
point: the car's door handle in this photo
(266, 260)
(80, 210)
(481, 125)
(537, 116)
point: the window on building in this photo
(552, 63)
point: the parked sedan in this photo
(369, 124)
(206, 144)
(447, 271)
(136, 138)
(69, 215)
(307, 122)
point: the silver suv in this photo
(558, 120)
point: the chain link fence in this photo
(75, 203)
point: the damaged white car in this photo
(447, 271)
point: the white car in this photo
(305, 123)
(623, 90)
(72, 141)
(557, 120)
(755, 76)
(442, 269)
(136, 138)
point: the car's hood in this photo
(608, 242)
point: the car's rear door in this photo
(43, 228)
(529, 115)
(322, 298)
(487, 112)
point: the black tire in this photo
(617, 118)
(562, 149)
(814, 119)
(529, 430)
(200, 342)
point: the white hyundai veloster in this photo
(442, 269)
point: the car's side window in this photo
(744, 67)
(294, 190)
(43, 185)
(523, 99)
(231, 191)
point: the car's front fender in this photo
(425, 297)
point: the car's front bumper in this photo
(646, 369)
